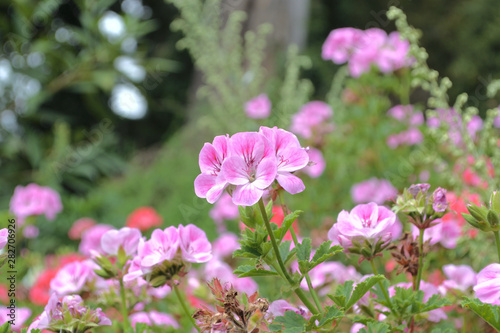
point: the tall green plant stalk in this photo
(297, 290)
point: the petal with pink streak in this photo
(292, 184)
(209, 160)
(292, 159)
(265, 173)
(235, 171)
(284, 140)
(203, 183)
(246, 195)
(250, 146)
(220, 144)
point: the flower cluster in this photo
(34, 200)
(453, 122)
(364, 49)
(69, 314)
(412, 119)
(162, 257)
(248, 163)
(312, 120)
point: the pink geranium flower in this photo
(127, 238)
(460, 277)
(365, 222)
(290, 157)
(224, 209)
(4, 237)
(80, 226)
(258, 107)
(488, 284)
(91, 239)
(317, 163)
(153, 318)
(20, 317)
(447, 232)
(225, 245)
(35, 200)
(72, 278)
(194, 244)
(340, 44)
(373, 190)
(251, 167)
(162, 246)
(279, 307)
(312, 119)
(210, 184)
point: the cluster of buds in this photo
(422, 207)
(483, 218)
(69, 315)
(230, 314)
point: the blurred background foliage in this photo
(100, 99)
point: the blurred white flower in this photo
(130, 67)
(128, 102)
(112, 26)
(5, 71)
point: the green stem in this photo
(497, 239)
(297, 291)
(420, 257)
(386, 295)
(126, 324)
(296, 241)
(184, 306)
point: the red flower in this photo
(144, 218)
(39, 293)
(79, 226)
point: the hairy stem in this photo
(126, 324)
(184, 306)
(386, 295)
(420, 257)
(497, 240)
(297, 290)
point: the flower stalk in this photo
(184, 306)
(124, 309)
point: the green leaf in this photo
(342, 294)
(285, 252)
(291, 322)
(490, 313)
(362, 288)
(286, 225)
(304, 250)
(324, 252)
(377, 327)
(331, 313)
(5, 328)
(247, 270)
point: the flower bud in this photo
(495, 202)
(493, 220)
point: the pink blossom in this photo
(153, 318)
(373, 190)
(79, 227)
(35, 200)
(444, 232)
(162, 246)
(317, 164)
(72, 278)
(290, 156)
(401, 112)
(258, 107)
(224, 209)
(312, 119)
(126, 238)
(91, 239)
(221, 270)
(211, 183)
(19, 315)
(4, 237)
(356, 327)
(367, 52)
(453, 121)
(31, 231)
(410, 137)
(429, 290)
(251, 167)
(488, 284)
(279, 307)
(330, 272)
(340, 43)
(393, 55)
(225, 245)
(365, 222)
(194, 244)
(460, 277)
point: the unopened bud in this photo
(493, 220)
(495, 202)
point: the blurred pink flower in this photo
(31, 231)
(410, 137)
(4, 237)
(252, 167)
(19, 315)
(446, 232)
(401, 112)
(279, 307)
(340, 44)
(153, 318)
(367, 51)
(194, 244)
(365, 222)
(373, 190)
(453, 121)
(317, 164)
(393, 55)
(127, 238)
(35, 200)
(224, 209)
(211, 183)
(330, 272)
(290, 157)
(225, 245)
(91, 239)
(488, 284)
(144, 218)
(312, 119)
(216, 268)
(460, 277)
(72, 278)
(258, 107)
(79, 227)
